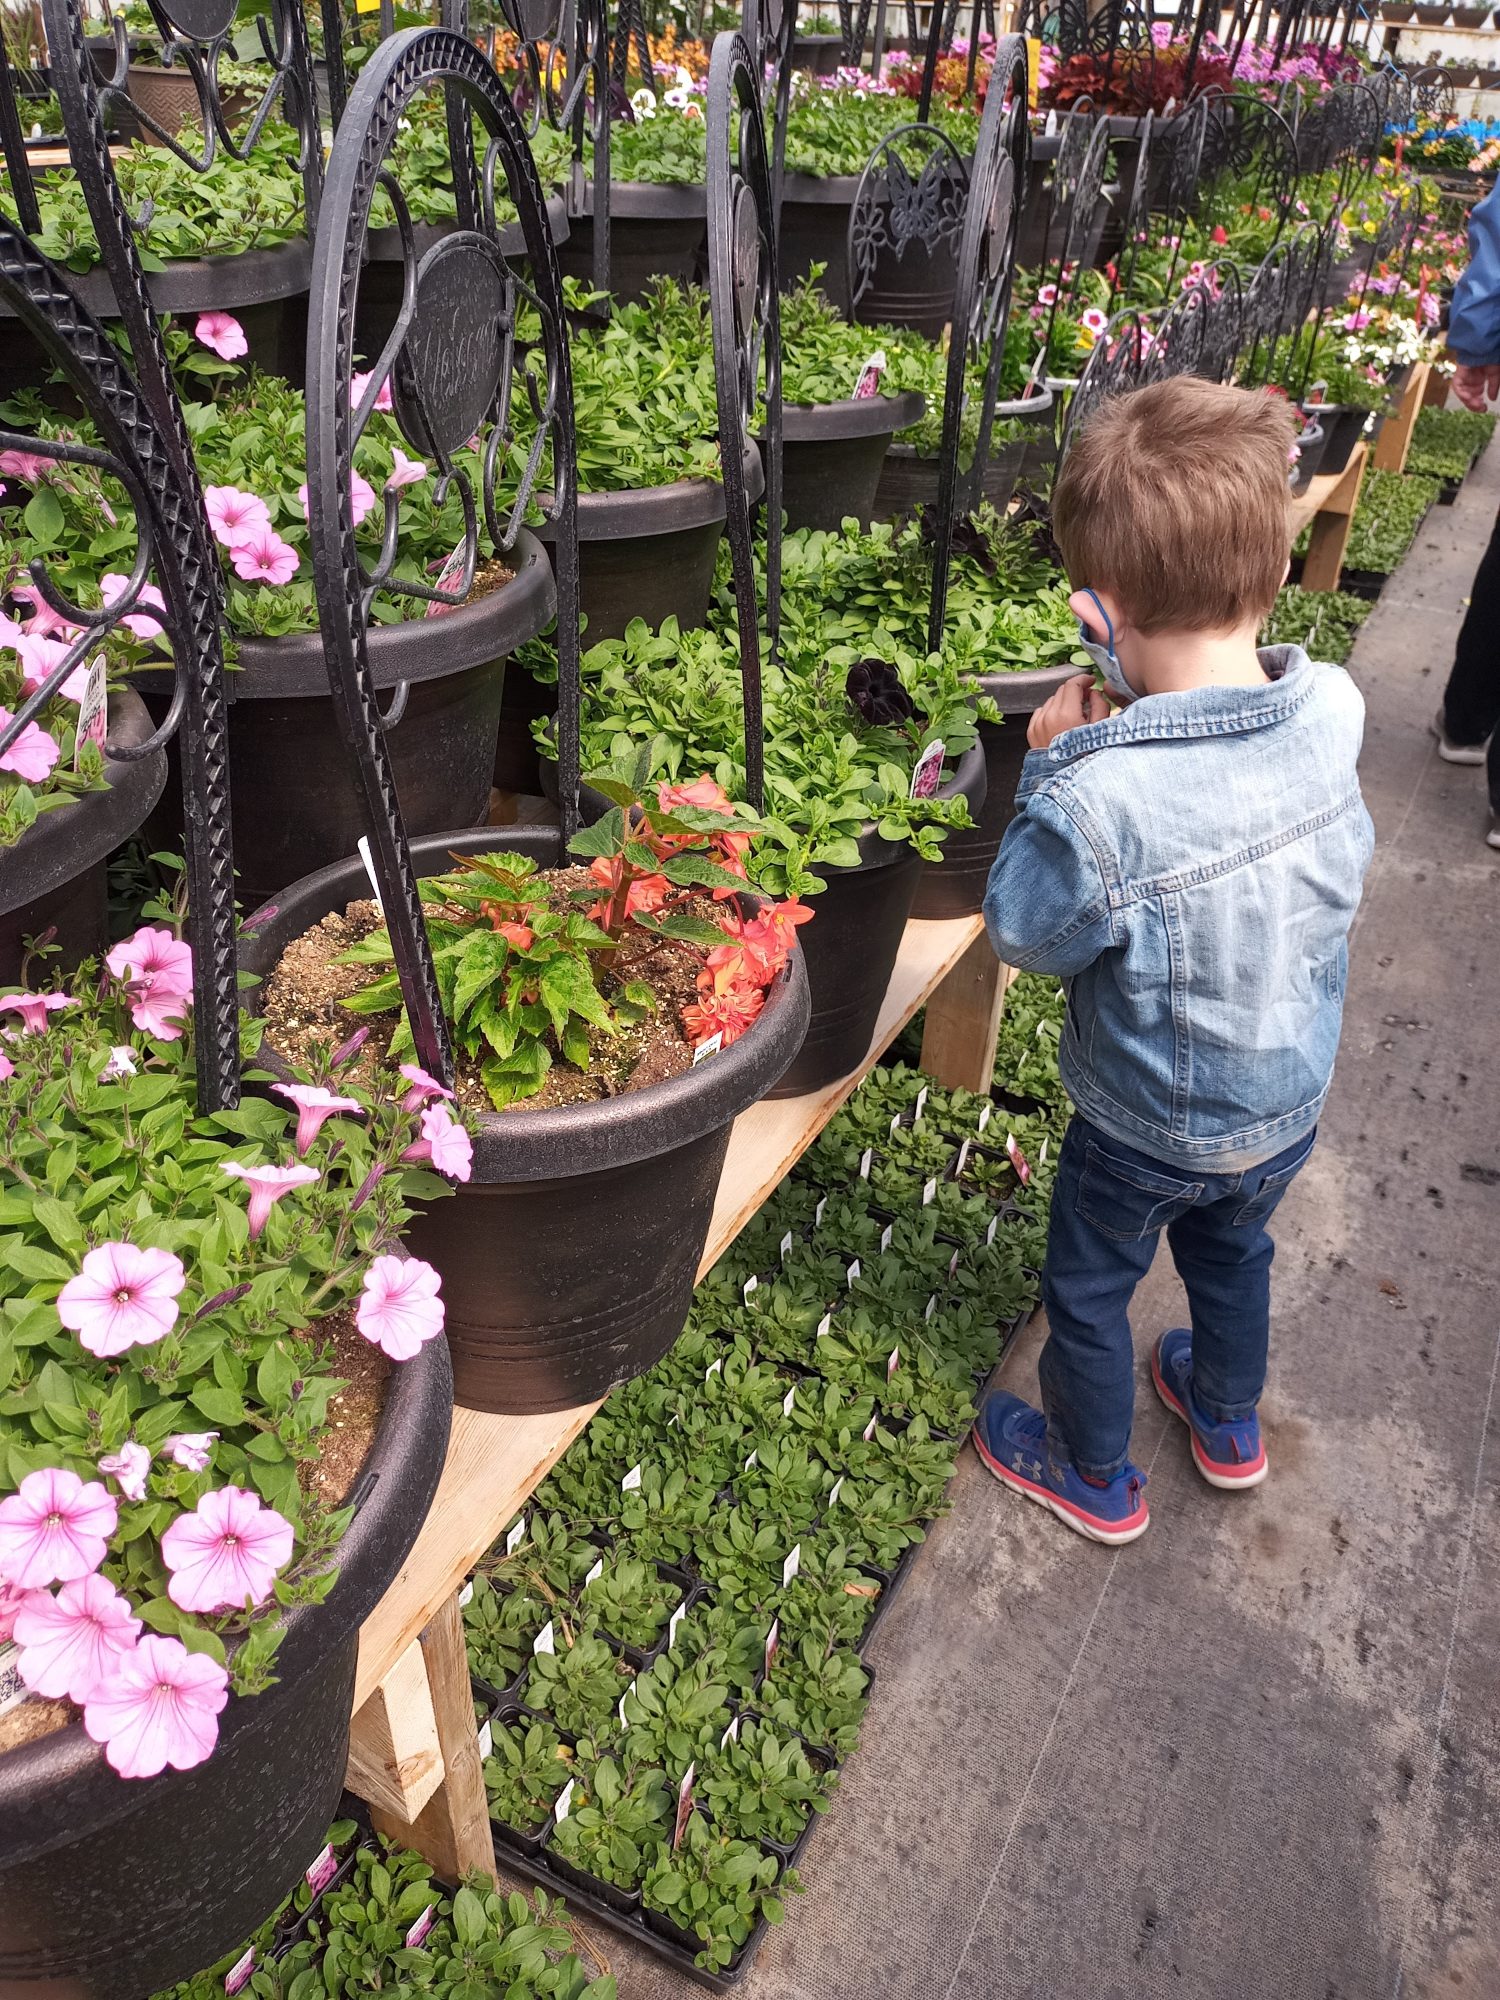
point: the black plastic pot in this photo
(909, 480)
(110, 1889)
(569, 1259)
(954, 886)
(815, 230)
(653, 232)
(54, 877)
(379, 298)
(1343, 427)
(821, 54)
(296, 806)
(1310, 444)
(832, 454)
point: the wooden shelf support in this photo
(963, 1020)
(1328, 508)
(1394, 442)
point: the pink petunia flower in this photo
(223, 333)
(10, 1603)
(121, 1064)
(39, 656)
(444, 1143)
(399, 1308)
(114, 586)
(261, 556)
(405, 471)
(153, 953)
(226, 1551)
(361, 496)
(123, 1297)
(7, 1068)
(267, 1186)
(191, 1449)
(360, 383)
(423, 1087)
(72, 1642)
(314, 1106)
(1046, 295)
(44, 622)
(34, 1008)
(33, 753)
(159, 1706)
(28, 466)
(234, 513)
(54, 1529)
(128, 1468)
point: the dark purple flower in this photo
(876, 691)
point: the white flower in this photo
(684, 78)
(121, 1063)
(679, 99)
(643, 104)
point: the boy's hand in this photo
(1076, 702)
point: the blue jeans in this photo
(1109, 1206)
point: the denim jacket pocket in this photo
(1127, 1201)
(1272, 1188)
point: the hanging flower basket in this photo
(833, 455)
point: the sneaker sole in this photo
(1216, 1475)
(1458, 753)
(1072, 1517)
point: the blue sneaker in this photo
(1011, 1439)
(1229, 1455)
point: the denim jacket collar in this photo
(1192, 712)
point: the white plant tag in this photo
(792, 1566)
(673, 1622)
(452, 570)
(895, 1123)
(893, 1363)
(885, 1237)
(931, 1307)
(713, 1368)
(322, 1871)
(963, 1158)
(1041, 1158)
(989, 1234)
(545, 1640)
(786, 1246)
(929, 1192)
(818, 1211)
(953, 1262)
(788, 1401)
(486, 1741)
(752, 1461)
(684, 1805)
(868, 384)
(632, 1478)
(838, 1487)
(869, 1430)
(417, 1936)
(825, 1326)
(920, 1106)
(709, 1046)
(773, 1641)
(731, 1733)
(466, 1595)
(984, 1116)
(749, 1289)
(928, 774)
(564, 1803)
(1017, 1158)
(864, 1162)
(620, 1704)
(239, 1973)
(93, 724)
(363, 844)
(853, 1271)
(596, 1571)
(516, 1536)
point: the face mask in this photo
(1106, 660)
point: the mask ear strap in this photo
(1109, 629)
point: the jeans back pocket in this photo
(1128, 1201)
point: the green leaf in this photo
(61, 1224)
(44, 517)
(222, 1407)
(605, 837)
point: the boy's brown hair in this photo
(1174, 498)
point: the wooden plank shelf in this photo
(408, 1705)
(1328, 507)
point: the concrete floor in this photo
(1256, 1756)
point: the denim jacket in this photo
(1474, 317)
(1191, 867)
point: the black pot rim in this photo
(417, 649)
(658, 510)
(65, 841)
(852, 417)
(814, 41)
(822, 190)
(203, 284)
(383, 246)
(569, 1139)
(1024, 691)
(651, 201)
(61, 1785)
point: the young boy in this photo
(1190, 866)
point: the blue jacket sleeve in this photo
(1474, 318)
(1047, 906)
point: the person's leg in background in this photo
(1471, 700)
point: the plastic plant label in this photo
(1050, 128)
(466, 1595)
(684, 1805)
(920, 1105)
(789, 1400)
(818, 1211)
(752, 1461)
(963, 1158)
(673, 1422)
(773, 1641)
(864, 1162)
(792, 1566)
(713, 1368)
(673, 1622)
(487, 1741)
(869, 1430)
(838, 1487)
(709, 1046)
(929, 1192)
(786, 1246)
(895, 1123)
(516, 1536)
(893, 1363)
(989, 1234)
(985, 1116)
(953, 1262)
(1017, 1158)
(885, 1237)
(932, 1304)
(93, 711)
(13, 1690)
(564, 1804)
(868, 384)
(750, 1288)
(452, 569)
(853, 1271)
(1041, 1158)
(322, 1871)
(545, 1640)
(731, 1733)
(825, 1326)
(596, 1571)
(632, 1479)
(238, 1975)
(363, 844)
(928, 774)
(620, 1705)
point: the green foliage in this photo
(631, 1601)
(499, 1626)
(580, 1684)
(763, 1783)
(619, 1818)
(527, 1767)
(717, 1889)
(1445, 443)
(1390, 510)
(1325, 623)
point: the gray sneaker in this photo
(1492, 838)
(1456, 753)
